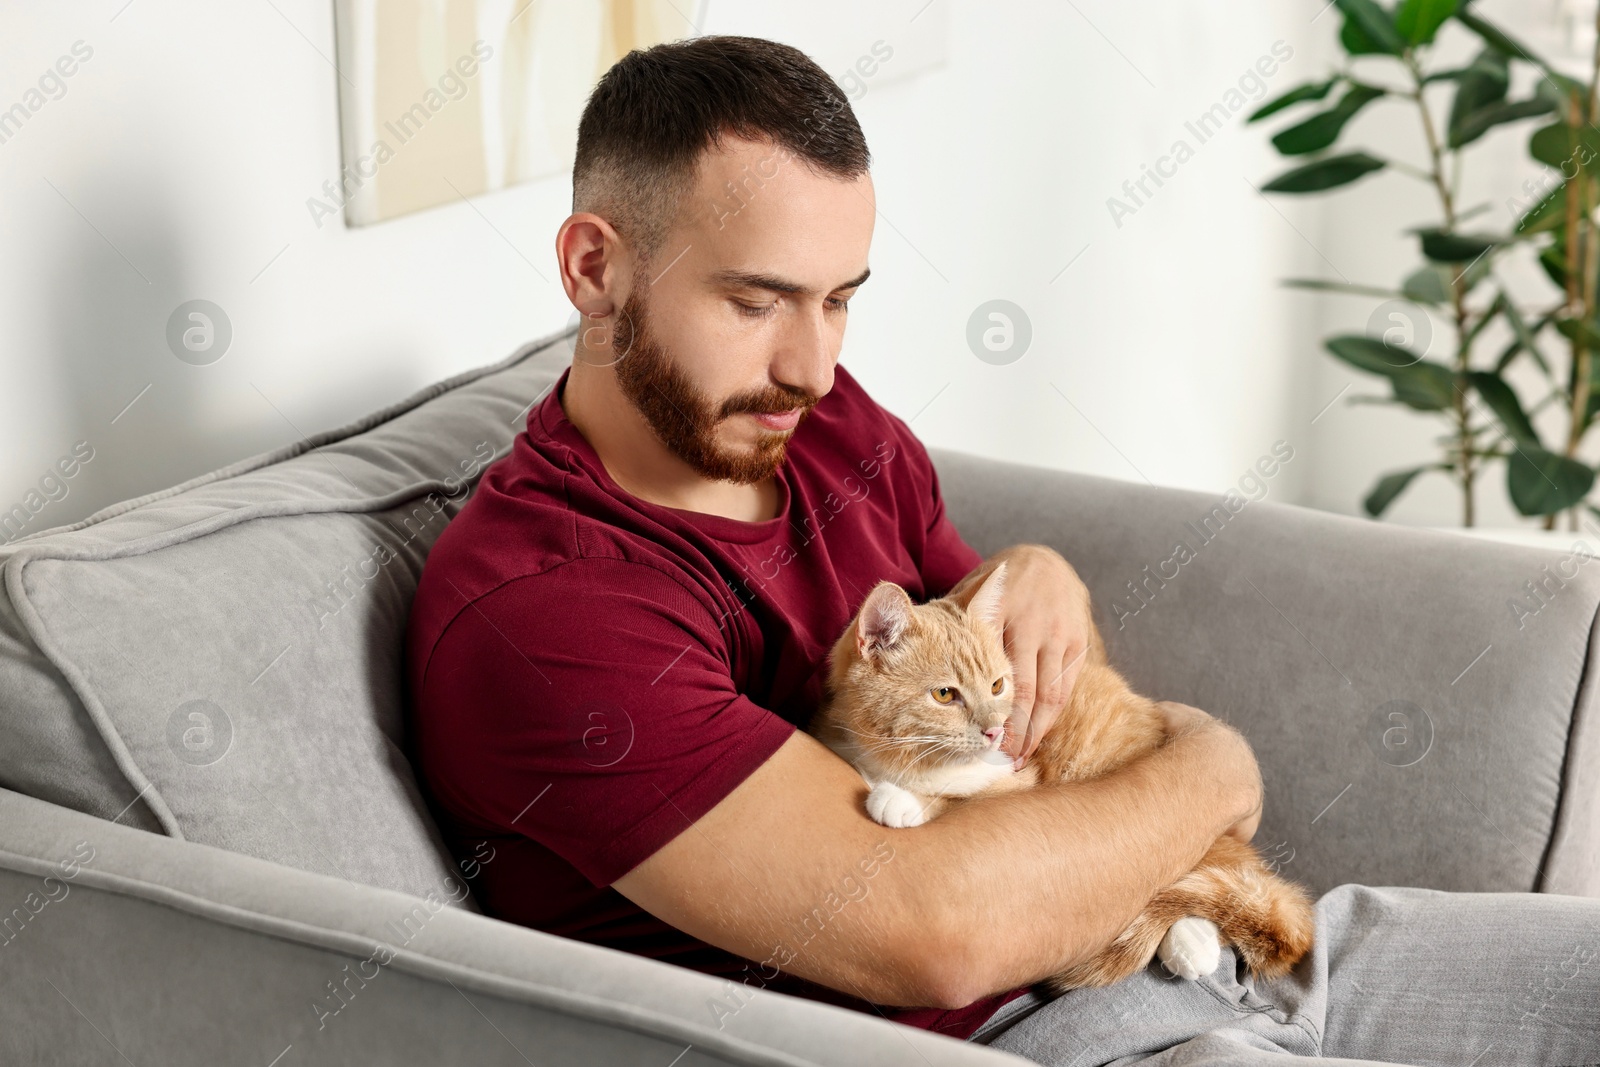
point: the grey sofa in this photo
(213, 848)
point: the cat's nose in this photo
(994, 734)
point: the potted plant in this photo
(1389, 58)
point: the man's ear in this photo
(882, 620)
(984, 602)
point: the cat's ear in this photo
(985, 603)
(883, 619)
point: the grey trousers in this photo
(1398, 975)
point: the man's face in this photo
(743, 313)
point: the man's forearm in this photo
(1024, 884)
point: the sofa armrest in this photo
(118, 945)
(1422, 703)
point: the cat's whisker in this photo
(889, 737)
(928, 749)
(887, 741)
(931, 750)
(930, 744)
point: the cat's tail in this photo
(1127, 955)
(1270, 921)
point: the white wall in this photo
(178, 163)
(1160, 351)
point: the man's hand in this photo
(1045, 615)
(1240, 762)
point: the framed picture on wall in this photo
(445, 99)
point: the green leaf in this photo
(1299, 94)
(1522, 338)
(1554, 144)
(1507, 356)
(1325, 286)
(1426, 285)
(1561, 91)
(1429, 285)
(1419, 20)
(1483, 84)
(1444, 247)
(1425, 386)
(1371, 354)
(1586, 333)
(1502, 400)
(1553, 258)
(1499, 40)
(1322, 129)
(1559, 145)
(1369, 29)
(1416, 382)
(1432, 284)
(1549, 213)
(1352, 40)
(1476, 124)
(1542, 483)
(1328, 173)
(1390, 486)
(1490, 313)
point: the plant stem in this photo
(1458, 299)
(1574, 308)
(1435, 152)
(1554, 394)
(1580, 277)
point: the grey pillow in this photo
(221, 661)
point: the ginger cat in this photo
(917, 700)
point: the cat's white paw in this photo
(1192, 947)
(890, 805)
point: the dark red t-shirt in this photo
(590, 673)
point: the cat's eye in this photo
(944, 694)
(999, 684)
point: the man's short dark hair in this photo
(657, 109)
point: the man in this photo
(614, 645)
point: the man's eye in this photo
(838, 304)
(755, 311)
(944, 694)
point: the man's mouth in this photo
(785, 420)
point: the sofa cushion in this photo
(221, 661)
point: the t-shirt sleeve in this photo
(946, 558)
(592, 709)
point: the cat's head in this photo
(926, 685)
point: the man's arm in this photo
(999, 892)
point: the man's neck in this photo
(640, 464)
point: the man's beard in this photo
(683, 417)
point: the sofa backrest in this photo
(221, 661)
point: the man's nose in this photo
(805, 360)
